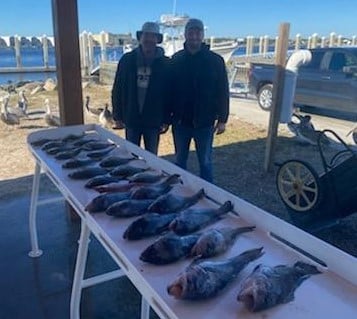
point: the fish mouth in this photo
(175, 290)
(248, 300)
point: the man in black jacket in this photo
(200, 98)
(140, 91)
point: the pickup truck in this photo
(328, 81)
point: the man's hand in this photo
(118, 125)
(164, 128)
(220, 128)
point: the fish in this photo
(168, 249)
(170, 203)
(96, 145)
(56, 150)
(41, 142)
(155, 190)
(128, 208)
(86, 173)
(268, 286)
(216, 241)
(148, 225)
(73, 137)
(84, 141)
(191, 220)
(76, 163)
(99, 154)
(67, 154)
(126, 170)
(112, 161)
(116, 187)
(103, 201)
(145, 177)
(205, 279)
(51, 144)
(100, 180)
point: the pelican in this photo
(305, 130)
(19, 112)
(22, 101)
(5, 116)
(92, 111)
(106, 117)
(50, 119)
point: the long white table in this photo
(333, 294)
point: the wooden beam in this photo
(278, 89)
(65, 27)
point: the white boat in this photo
(173, 30)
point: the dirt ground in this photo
(238, 160)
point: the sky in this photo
(222, 18)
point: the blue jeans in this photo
(151, 137)
(203, 138)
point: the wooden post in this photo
(276, 45)
(332, 39)
(339, 40)
(261, 45)
(103, 47)
(266, 45)
(45, 51)
(354, 40)
(17, 44)
(90, 52)
(309, 42)
(297, 41)
(314, 41)
(278, 89)
(323, 42)
(65, 26)
(85, 53)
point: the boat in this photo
(173, 25)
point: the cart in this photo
(315, 201)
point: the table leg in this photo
(79, 271)
(35, 251)
(145, 308)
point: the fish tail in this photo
(242, 230)
(225, 208)
(250, 255)
(306, 269)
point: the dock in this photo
(30, 69)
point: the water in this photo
(34, 57)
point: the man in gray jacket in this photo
(140, 92)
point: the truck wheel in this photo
(265, 97)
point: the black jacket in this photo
(124, 93)
(199, 88)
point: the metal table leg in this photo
(79, 271)
(145, 308)
(35, 251)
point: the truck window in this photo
(338, 61)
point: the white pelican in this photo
(106, 117)
(50, 119)
(5, 116)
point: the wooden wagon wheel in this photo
(298, 185)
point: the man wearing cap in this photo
(199, 99)
(140, 92)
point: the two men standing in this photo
(190, 92)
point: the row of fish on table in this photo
(128, 187)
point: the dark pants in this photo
(203, 138)
(150, 135)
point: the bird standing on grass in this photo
(5, 116)
(106, 117)
(50, 119)
(90, 110)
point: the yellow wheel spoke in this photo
(308, 201)
(291, 175)
(287, 183)
(309, 189)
